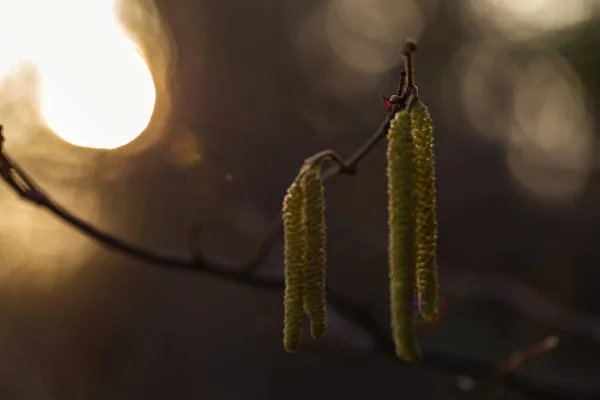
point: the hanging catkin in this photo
(295, 248)
(315, 299)
(425, 211)
(401, 227)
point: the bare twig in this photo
(514, 361)
(410, 46)
(335, 157)
(502, 377)
(21, 183)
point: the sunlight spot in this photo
(522, 19)
(75, 67)
(101, 97)
(96, 89)
(551, 144)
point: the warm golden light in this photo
(95, 87)
(71, 66)
(522, 19)
(101, 99)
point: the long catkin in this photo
(315, 298)
(295, 248)
(401, 227)
(425, 212)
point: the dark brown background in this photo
(250, 105)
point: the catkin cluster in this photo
(412, 238)
(412, 226)
(304, 256)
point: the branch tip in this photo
(409, 47)
(344, 167)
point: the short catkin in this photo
(315, 297)
(401, 227)
(425, 211)
(295, 248)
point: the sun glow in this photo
(95, 87)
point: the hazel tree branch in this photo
(24, 186)
(245, 273)
(500, 380)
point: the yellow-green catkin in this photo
(425, 211)
(315, 298)
(401, 227)
(295, 247)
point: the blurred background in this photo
(229, 98)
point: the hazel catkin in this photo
(425, 212)
(401, 226)
(295, 247)
(315, 297)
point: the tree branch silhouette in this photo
(245, 273)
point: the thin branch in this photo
(29, 190)
(333, 156)
(410, 46)
(500, 380)
(514, 361)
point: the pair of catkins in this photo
(412, 226)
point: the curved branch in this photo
(20, 182)
(24, 186)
